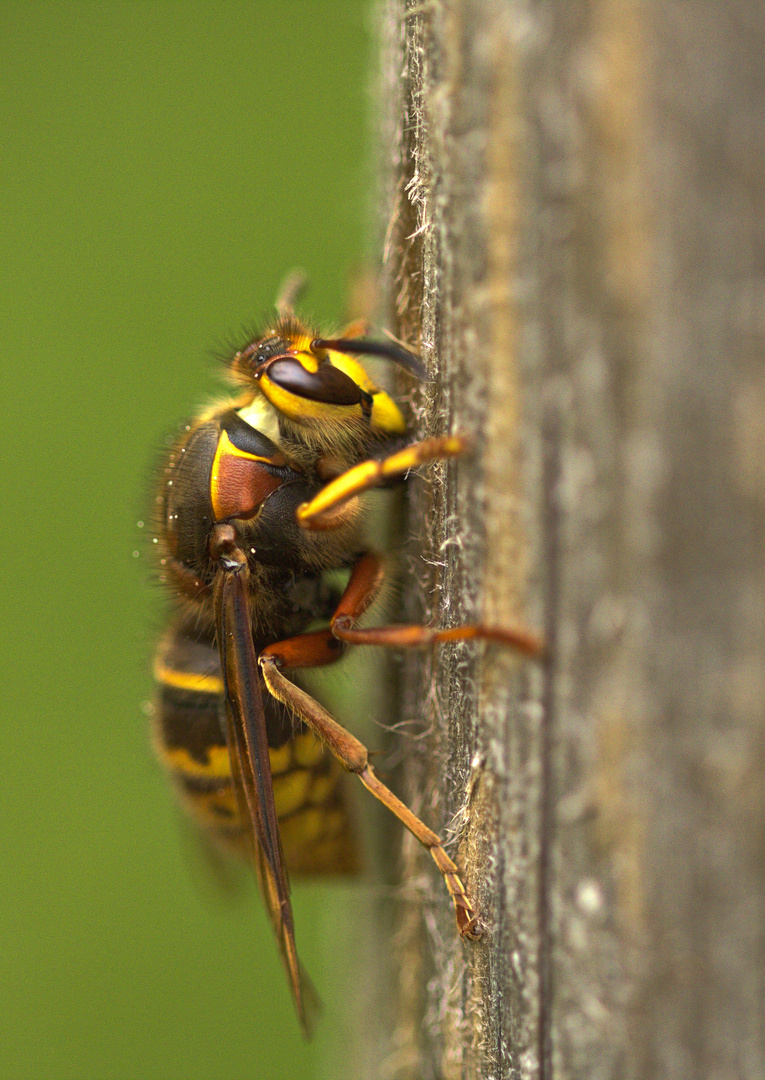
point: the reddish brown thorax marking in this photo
(240, 485)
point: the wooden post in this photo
(574, 230)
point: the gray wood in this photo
(574, 233)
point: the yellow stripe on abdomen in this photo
(188, 680)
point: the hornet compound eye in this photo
(328, 384)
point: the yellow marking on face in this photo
(188, 680)
(300, 408)
(302, 350)
(353, 369)
(307, 750)
(291, 791)
(280, 758)
(178, 760)
(386, 414)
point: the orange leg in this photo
(354, 756)
(406, 637)
(362, 588)
(324, 647)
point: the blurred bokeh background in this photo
(163, 165)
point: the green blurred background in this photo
(163, 165)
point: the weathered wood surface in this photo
(575, 199)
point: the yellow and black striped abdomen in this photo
(191, 743)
